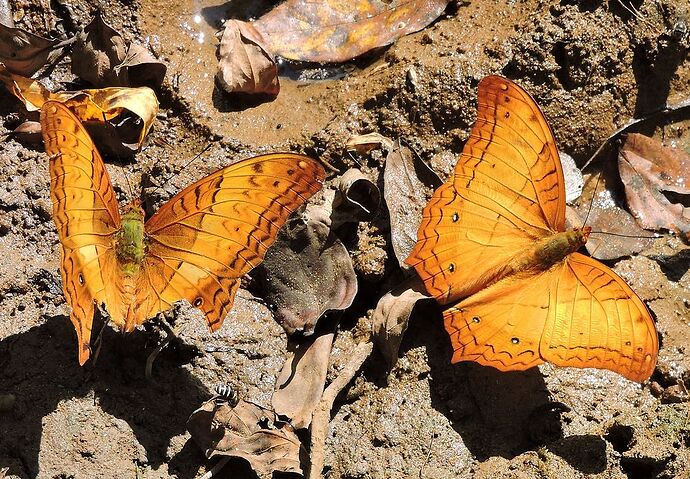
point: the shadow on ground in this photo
(40, 368)
(497, 413)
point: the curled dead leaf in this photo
(28, 132)
(405, 177)
(356, 199)
(301, 381)
(653, 174)
(339, 30)
(370, 141)
(99, 106)
(305, 273)
(392, 314)
(245, 64)
(248, 431)
(102, 57)
(25, 53)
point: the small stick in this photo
(322, 414)
(219, 465)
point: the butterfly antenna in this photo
(591, 203)
(171, 175)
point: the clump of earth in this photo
(591, 66)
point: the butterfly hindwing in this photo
(507, 192)
(598, 321)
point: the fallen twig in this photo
(322, 414)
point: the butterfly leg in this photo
(170, 334)
(99, 342)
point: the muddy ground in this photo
(591, 65)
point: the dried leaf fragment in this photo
(101, 57)
(23, 52)
(305, 273)
(339, 30)
(649, 169)
(370, 141)
(101, 105)
(357, 198)
(245, 65)
(404, 178)
(301, 381)
(392, 314)
(248, 431)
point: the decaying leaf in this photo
(650, 171)
(305, 273)
(356, 199)
(339, 30)
(3, 472)
(370, 141)
(27, 132)
(247, 431)
(104, 105)
(301, 381)
(572, 177)
(392, 313)
(101, 57)
(245, 64)
(405, 178)
(24, 53)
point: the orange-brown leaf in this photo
(648, 169)
(245, 65)
(339, 30)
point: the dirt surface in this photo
(591, 65)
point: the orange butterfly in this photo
(494, 234)
(196, 247)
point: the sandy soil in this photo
(590, 65)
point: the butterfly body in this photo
(493, 249)
(196, 247)
(130, 247)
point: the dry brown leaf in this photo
(301, 381)
(100, 105)
(305, 273)
(370, 141)
(339, 30)
(650, 171)
(392, 313)
(356, 199)
(405, 177)
(101, 57)
(245, 64)
(24, 53)
(98, 49)
(28, 132)
(141, 68)
(247, 431)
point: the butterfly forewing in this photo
(208, 236)
(86, 216)
(505, 194)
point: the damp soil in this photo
(591, 65)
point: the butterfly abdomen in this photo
(129, 242)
